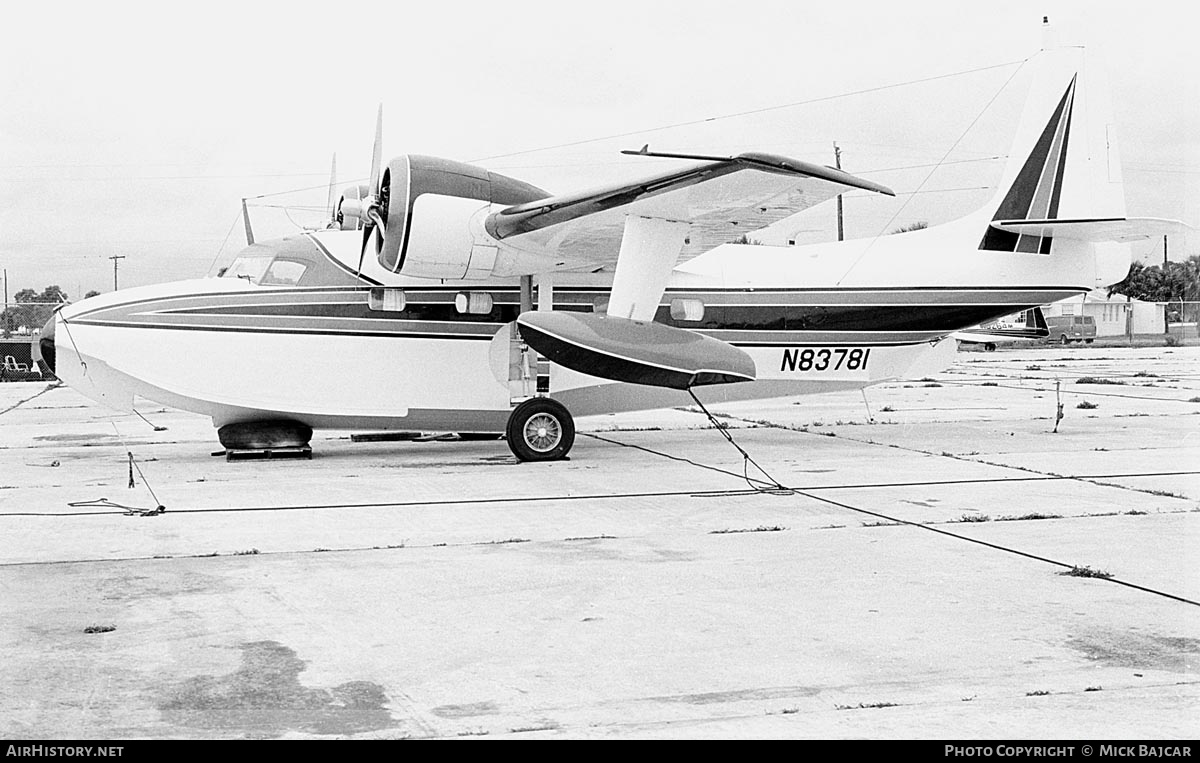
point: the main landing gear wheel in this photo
(540, 429)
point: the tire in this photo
(1089, 341)
(1065, 340)
(989, 347)
(540, 429)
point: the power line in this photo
(751, 112)
(101, 242)
(115, 178)
(689, 123)
(1134, 168)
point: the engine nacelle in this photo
(429, 204)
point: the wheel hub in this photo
(543, 432)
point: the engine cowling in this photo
(427, 205)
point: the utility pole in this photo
(114, 258)
(837, 156)
(1166, 283)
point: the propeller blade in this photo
(377, 152)
(379, 225)
(246, 222)
(331, 204)
(368, 229)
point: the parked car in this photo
(1065, 329)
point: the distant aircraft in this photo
(1029, 326)
(446, 297)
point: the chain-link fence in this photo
(20, 329)
(25, 318)
(1182, 312)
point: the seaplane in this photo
(446, 297)
(1026, 326)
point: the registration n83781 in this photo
(825, 359)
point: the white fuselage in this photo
(815, 318)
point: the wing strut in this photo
(649, 249)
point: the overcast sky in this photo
(135, 129)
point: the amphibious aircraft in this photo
(1028, 326)
(447, 297)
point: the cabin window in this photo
(390, 300)
(687, 310)
(473, 302)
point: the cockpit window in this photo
(296, 261)
(251, 268)
(284, 273)
(267, 271)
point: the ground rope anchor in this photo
(130, 511)
(159, 508)
(773, 486)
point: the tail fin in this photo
(1064, 161)
(1035, 321)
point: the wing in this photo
(721, 198)
(645, 226)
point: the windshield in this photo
(267, 271)
(251, 268)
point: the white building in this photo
(1113, 315)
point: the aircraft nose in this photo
(45, 345)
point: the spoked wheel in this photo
(540, 429)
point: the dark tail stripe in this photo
(1019, 200)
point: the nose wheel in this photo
(540, 429)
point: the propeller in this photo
(371, 209)
(366, 206)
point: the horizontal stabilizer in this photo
(633, 351)
(1096, 230)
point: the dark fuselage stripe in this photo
(760, 318)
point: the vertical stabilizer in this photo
(1064, 162)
